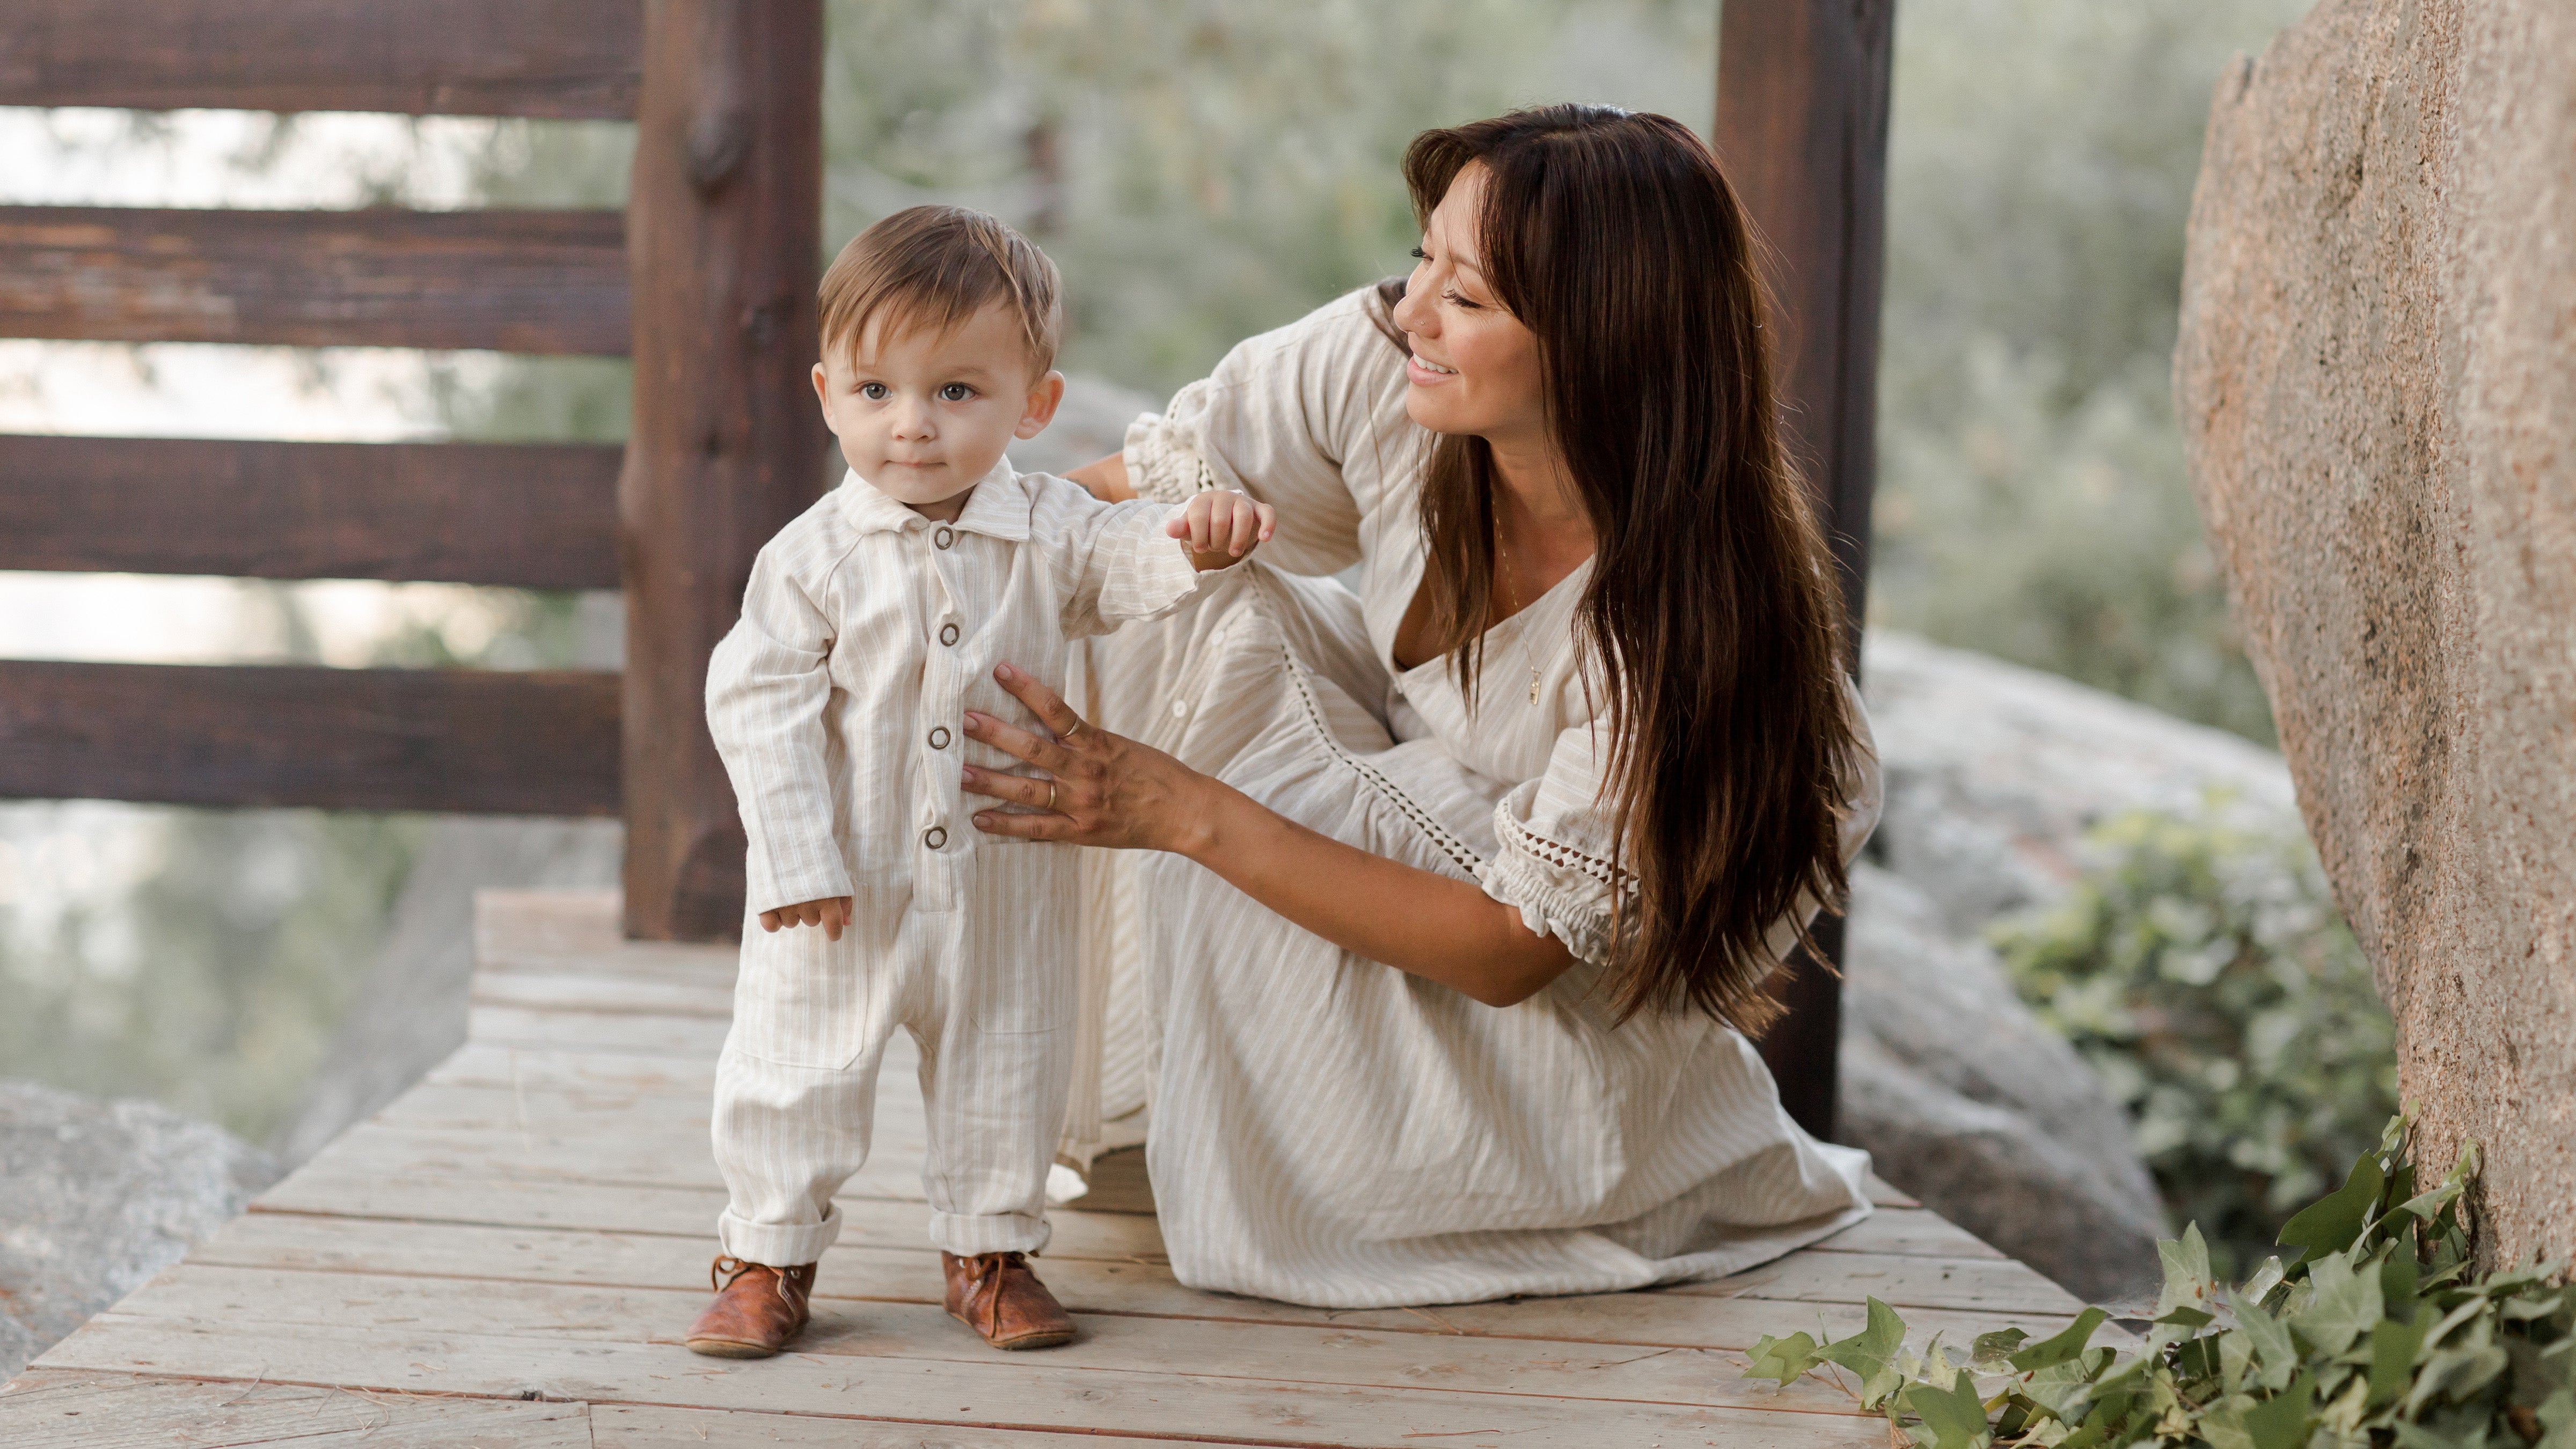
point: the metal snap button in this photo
(939, 738)
(948, 634)
(934, 837)
(944, 537)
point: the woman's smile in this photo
(1423, 372)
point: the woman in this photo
(1577, 764)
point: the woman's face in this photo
(1475, 367)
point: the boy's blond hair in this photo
(936, 267)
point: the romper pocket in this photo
(805, 1000)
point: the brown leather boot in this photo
(999, 1296)
(758, 1309)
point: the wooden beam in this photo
(1802, 94)
(347, 739)
(558, 59)
(522, 515)
(519, 281)
(725, 217)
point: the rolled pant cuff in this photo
(988, 1233)
(777, 1245)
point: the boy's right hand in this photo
(832, 913)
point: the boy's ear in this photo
(823, 395)
(1044, 399)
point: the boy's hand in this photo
(831, 913)
(1219, 526)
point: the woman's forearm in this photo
(1417, 921)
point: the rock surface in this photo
(1993, 775)
(2377, 380)
(95, 1198)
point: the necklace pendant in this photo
(1533, 684)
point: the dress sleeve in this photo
(1112, 562)
(1554, 838)
(1277, 420)
(767, 686)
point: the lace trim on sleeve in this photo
(1560, 891)
(1160, 464)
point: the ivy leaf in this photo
(2271, 1341)
(1784, 1359)
(2058, 1347)
(2186, 1272)
(2394, 1344)
(2558, 1421)
(2280, 1422)
(1955, 1417)
(2265, 1279)
(2332, 1223)
(2346, 1305)
(1996, 1347)
(2399, 1281)
(1872, 1354)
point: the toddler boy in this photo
(871, 625)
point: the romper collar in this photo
(998, 508)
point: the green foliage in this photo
(2376, 1334)
(2202, 969)
(2032, 501)
(216, 982)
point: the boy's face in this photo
(924, 416)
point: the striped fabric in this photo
(838, 703)
(1324, 1129)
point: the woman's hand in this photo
(1108, 790)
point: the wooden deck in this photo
(508, 1255)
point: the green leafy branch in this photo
(2373, 1332)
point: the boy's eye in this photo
(956, 392)
(873, 391)
(1420, 255)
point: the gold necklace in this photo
(1502, 561)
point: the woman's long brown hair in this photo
(1711, 624)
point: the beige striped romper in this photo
(838, 703)
(1324, 1129)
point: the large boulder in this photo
(1994, 773)
(95, 1198)
(2376, 375)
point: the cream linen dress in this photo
(1322, 1128)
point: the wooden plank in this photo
(727, 445)
(875, 1267)
(986, 1389)
(519, 515)
(558, 59)
(1994, 1284)
(635, 1426)
(55, 1407)
(494, 1064)
(1802, 91)
(519, 281)
(678, 1036)
(539, 743)
(604, 995)
(1917, 1232)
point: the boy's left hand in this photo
(1219, 526)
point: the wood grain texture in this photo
(352, 739)
(518, 281)
(62, 1408)
(522, 515)
(727, 445)
(558, 59)
(1802, 91)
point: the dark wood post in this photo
(724, 232)
(1802, 132)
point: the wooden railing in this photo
(707, 279)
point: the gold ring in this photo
(1078, 723)
(1050, 795)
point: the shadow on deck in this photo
(508, 1254)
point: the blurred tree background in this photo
(1205, 169)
